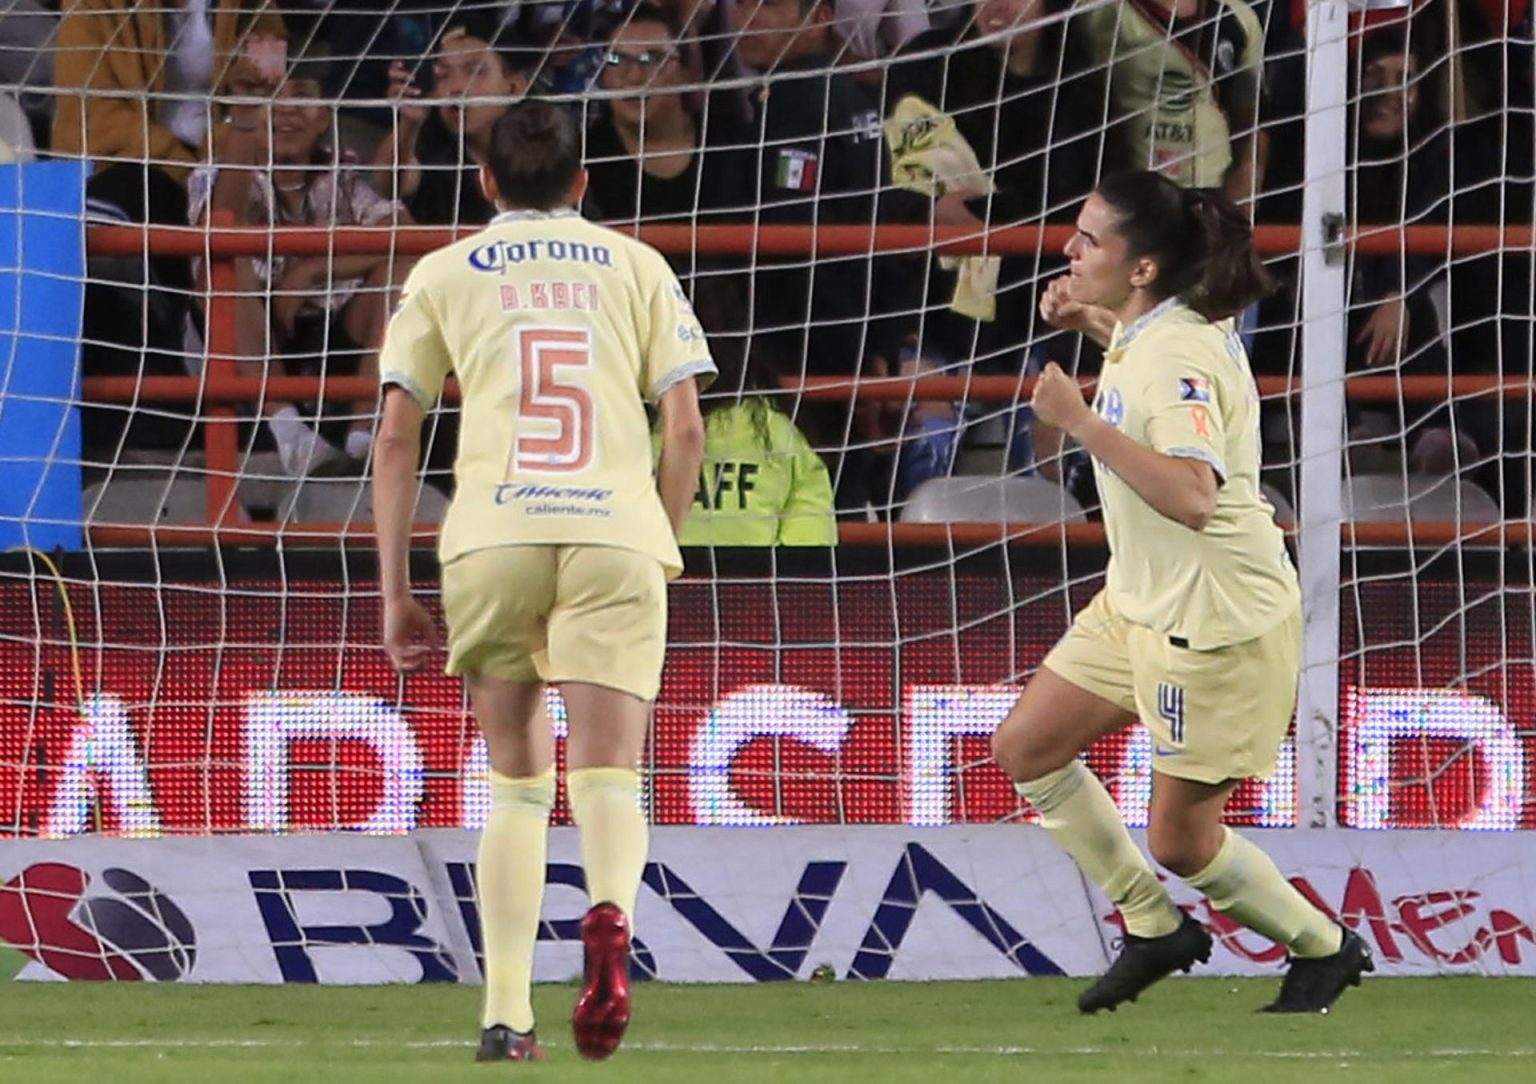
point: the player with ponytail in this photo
(1197, 631)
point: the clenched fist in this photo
(1060, 310)
(1057, 307)
(1058, 399)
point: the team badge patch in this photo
(1114, 408)
(1194, 389)
(796, 170)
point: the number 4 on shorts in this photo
(1170, 706)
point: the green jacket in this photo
(756, 494)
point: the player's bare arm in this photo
(410, 635)
(682, 450)
(1184, 490)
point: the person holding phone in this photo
(317, 315)
(432, 160)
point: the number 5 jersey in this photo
(559, 332)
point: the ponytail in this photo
(1201, 242)
(1229, 275)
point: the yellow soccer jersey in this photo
(559, 331)
(1177, 95)
(1183, 387)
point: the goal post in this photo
(1321, 465)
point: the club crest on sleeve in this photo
(1194, 389)
(1111, 407)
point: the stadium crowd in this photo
(801, 112)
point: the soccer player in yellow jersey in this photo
(1197, 631)
(559, 543)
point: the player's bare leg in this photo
(1185, 834)
(510, 867)
(607, 736)
(1038, 745)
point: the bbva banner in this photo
(719, 905)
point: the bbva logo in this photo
(130, 932)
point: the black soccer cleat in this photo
(1145, 960)
(500, 1043)
(1314, 983)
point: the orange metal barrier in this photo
(225, 241)
(249, 389)
(220, 386)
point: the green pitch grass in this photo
(11, 962)
(1393, 1030)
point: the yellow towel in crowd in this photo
(931, 157)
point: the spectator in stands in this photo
(874, 29)
(112, 107)
(431, 163)
(1031, 117)
(324, 314)
(1186, 81)
(1022, 105)
(114, 100)
(1401, 173)
(818, 161)
(710, 27)
(571, 36)
(761, 483)
(658, 154)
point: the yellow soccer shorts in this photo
(595, 614)
(1213, 715)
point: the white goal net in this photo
(209, 216)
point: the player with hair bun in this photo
(1197, 631)
(559, 543)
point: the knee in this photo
(1020, 753)
(1182, 850)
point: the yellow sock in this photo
(510, 878)
(1243, 883)
(1081, 817)
(605, 804)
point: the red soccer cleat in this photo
(602, 1010)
